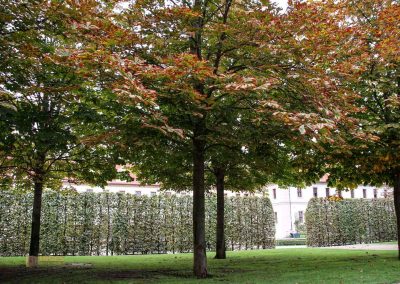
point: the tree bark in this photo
(396, 195)
(35, 230)
(199, 242)
(199, 130)
(220, 245)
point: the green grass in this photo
(259, 266)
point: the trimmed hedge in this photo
(350, 221)
(291, 242)
(119, 223)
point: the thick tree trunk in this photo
(199, 236)
(35, 230)
(396, 195)
(220, 245)
(199, 249)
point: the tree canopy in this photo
(178, 87)
(51, 127)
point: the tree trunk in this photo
(199, 239)
(199, 249)
(35, 230)
(396, 195)
(220, 245)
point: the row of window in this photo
(299, 192)
(338, 192)
(328, 193)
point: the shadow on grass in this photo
(143, 274)
(19, 274)
(68, 273)
(276, 266)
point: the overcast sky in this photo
(281, 3)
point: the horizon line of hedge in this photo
(350, 221)
(121, 223)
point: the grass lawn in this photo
(302, 265)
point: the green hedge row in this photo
(291, 242)
(119, 223)
(350, 221)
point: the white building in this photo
(132, 187)
(290, 204)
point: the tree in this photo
(51, 129)
(202, 60)
(357, 46)
(194, 64)
(191, 64)
(378, 84)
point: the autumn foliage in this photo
(317, 84)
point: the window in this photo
(301, 217)
(276, 217)
(375, 193)
(121, 191)
(352, 193)
(274, 192)
(327, 192)
(315, 191)
(339, 193)
(385, 193)
(138, 193)
(299, 193)
(168, 193)
(364, 193)
(89, 190)
(153, 193)
(246, 194)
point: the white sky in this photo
(281, 3)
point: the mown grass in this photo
(259, 266)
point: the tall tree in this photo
(375, 76)
(51, 128)
(192, 63)
(357, 44)
(203, 60)
(196, 56)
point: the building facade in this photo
(290, 204)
